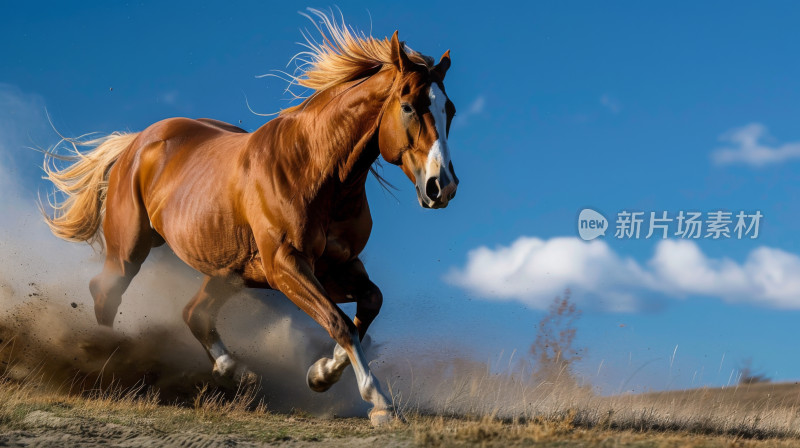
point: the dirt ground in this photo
(88, 424)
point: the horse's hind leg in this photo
(349, 283)
(108, 286)
(128, 240)
(200, 314)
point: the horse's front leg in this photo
(346, 283)
(292, 273)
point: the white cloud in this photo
(768, 276)
(477, 106)
(611, 103)
(749, 150)
(533, 271)
(474, 108)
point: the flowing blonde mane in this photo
(342, 55)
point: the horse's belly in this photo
(225, 257)
(214, 250)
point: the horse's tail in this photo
(84, 184)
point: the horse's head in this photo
(415, 125)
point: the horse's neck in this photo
(338, 127)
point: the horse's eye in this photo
(407, 109)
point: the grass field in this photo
(755, 415)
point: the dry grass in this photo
(450, 403)
(140, 417)
(753, 412)
(90, 416)
(439, 431)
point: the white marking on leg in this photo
(223, 361)
(333, 367)
(326, 371)
(340, 355)
(217, 350)
(368, 386)
(225, 365)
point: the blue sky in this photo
(562, 106)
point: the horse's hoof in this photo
(223, 379)
(249, 379)
(319, 379)
(230, 374)
(383, 417)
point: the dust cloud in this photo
(47, 328)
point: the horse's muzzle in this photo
(438, 190)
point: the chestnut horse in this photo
(283, 207)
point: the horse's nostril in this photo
(432, 188)
(451, 196)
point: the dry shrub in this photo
(748, 374)
(507, 389)
(553, 349)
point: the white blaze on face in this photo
(439, 154)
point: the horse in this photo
(283, 207)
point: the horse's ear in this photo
(443, 65)
(399, 57)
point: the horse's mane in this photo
(342, 55)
